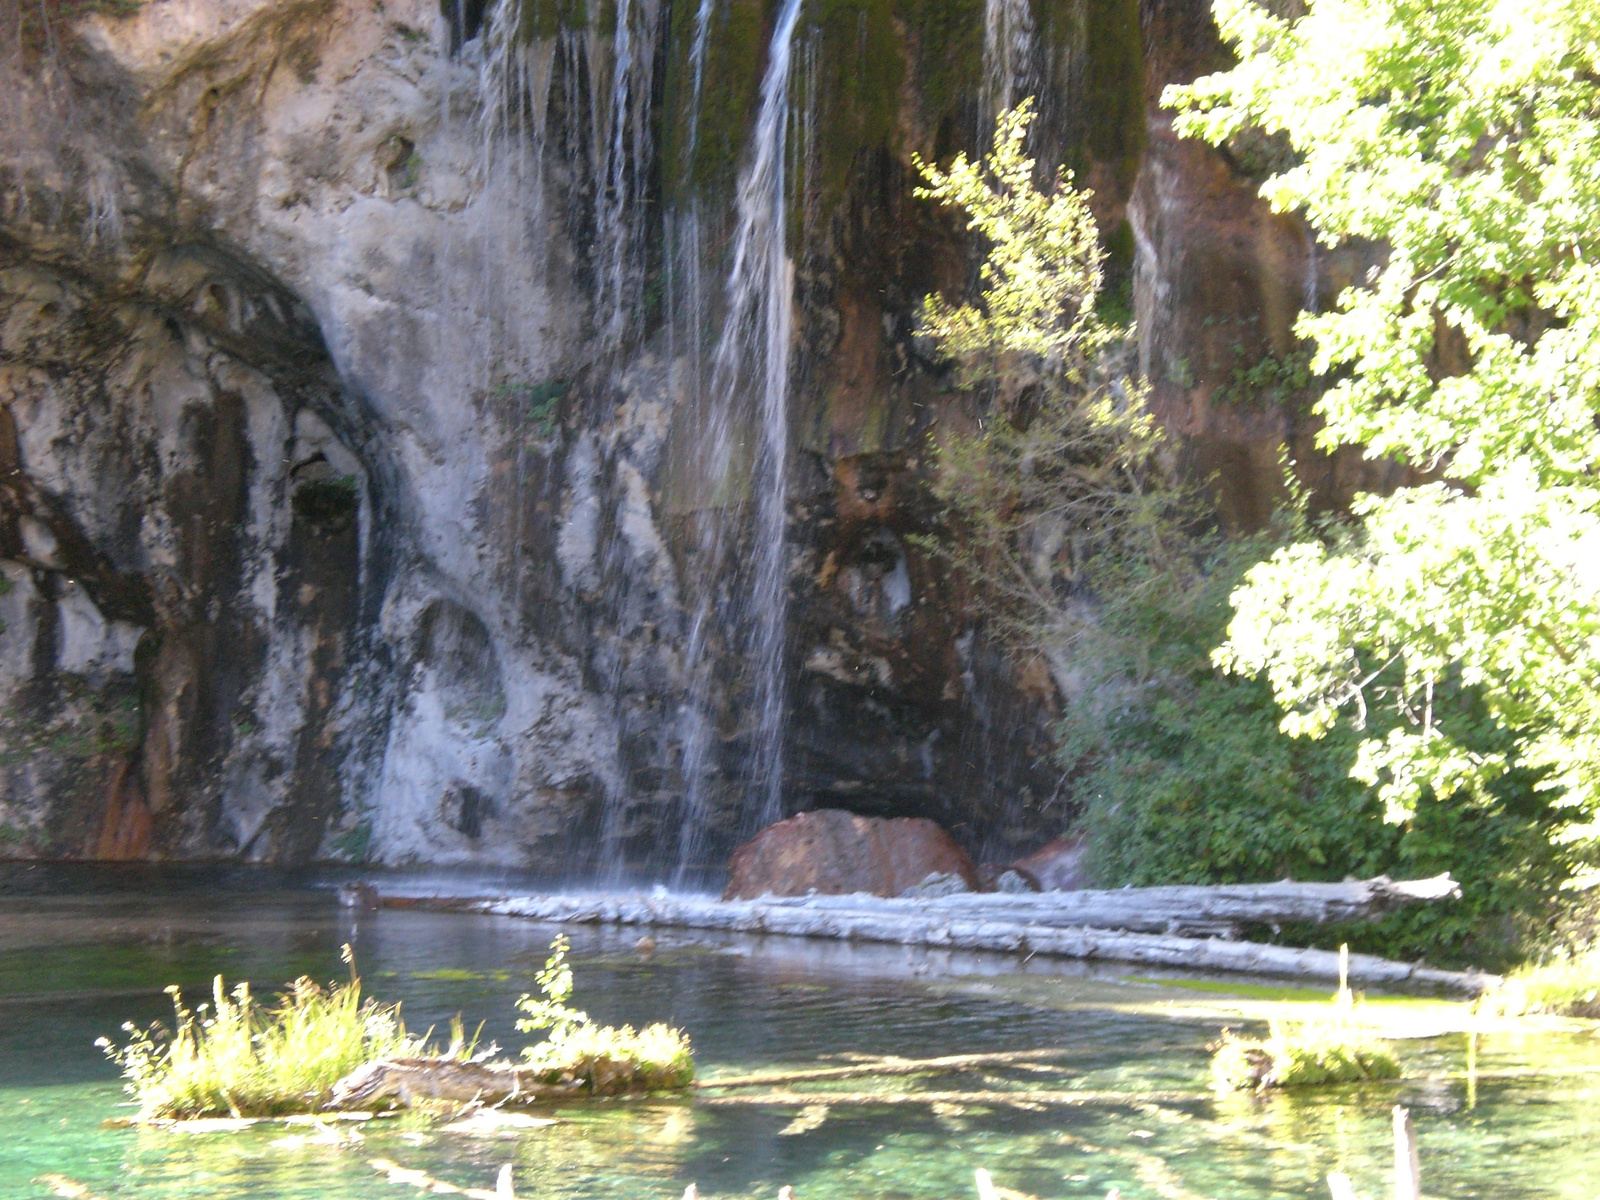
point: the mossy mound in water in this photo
(596, 1060)
(1299, 1054)
(606, 1060)
(603, 1059)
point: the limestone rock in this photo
(1014, 883)
(835, 852)
(1057, 866)
(937, 884)
(335, 523)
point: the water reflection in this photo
(73, 967)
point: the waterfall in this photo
(1312, 284)
(697, 64)
(749, 379)
(620, 192)
(1007, 55)
(605, 136)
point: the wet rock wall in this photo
(344, 518)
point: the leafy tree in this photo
(1462, 140)
(1083, 548)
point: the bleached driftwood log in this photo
(1197, 909)
(1033, 925)
(1205, 910)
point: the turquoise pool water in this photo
(81, 953)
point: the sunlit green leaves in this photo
(1463, 141)
(1042, 274)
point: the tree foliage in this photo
(1462, 141)
(1060, 490)
(1084, 548)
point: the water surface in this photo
(82, 952)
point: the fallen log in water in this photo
(1206, 910)
(1006, 925)
(1210, 909)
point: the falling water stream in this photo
(1007, 54)
(605, 138)
(749, 389)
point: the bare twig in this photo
(1407, 1168)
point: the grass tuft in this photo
(1300, 1054)
(606, 1059)
(237, 1055)
(1568, 985)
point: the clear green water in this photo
(73, 967)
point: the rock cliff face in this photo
(353, 385)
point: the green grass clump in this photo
(236, 1055)
(606, 1059)
(1300, 1054)
(1568, 985)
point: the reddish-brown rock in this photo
(1057, 866)
(835, 852)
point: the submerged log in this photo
(67, 1189)
(1028, 1100)
(422, 1181)
(885, 1067)
(1039, 924)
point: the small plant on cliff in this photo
(239, 1056)
(604, 1058)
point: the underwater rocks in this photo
(833, 852)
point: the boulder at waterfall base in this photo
(1057, 866)
(835, 852)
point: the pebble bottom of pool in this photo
(81, 952)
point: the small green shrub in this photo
(326, 500)
(236, 1055)
(354, 843)
(540, 404)
(1301, 1054)
(606, 1059)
